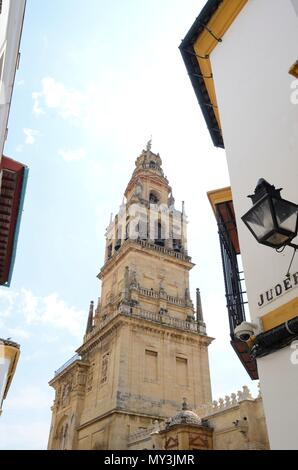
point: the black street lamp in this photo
(273, 221)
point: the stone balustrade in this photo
(168, 320)
(162, 249)
(175, 300)
(229, 401)
(164, 319)
(140, 435)
(149, 292)
(150, 246)
(156, 295)
(106, 319)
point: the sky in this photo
(96, 80)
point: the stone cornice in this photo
(119, 411)
(120, 319)
(149, 249)
(148, 174)
(94, 340)
(188, 427)
(65, 369)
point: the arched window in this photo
(177, 244)
(153, 197)
(118, 238)
(127, 231)
(110, 248)
(160, 240)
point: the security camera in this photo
(245, 330)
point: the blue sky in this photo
(96, 79)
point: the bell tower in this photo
(145, 345)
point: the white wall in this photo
(4, 368)
(4, 21)
(260, 128)
(11, 20)
(295, 4)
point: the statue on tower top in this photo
(149, 144)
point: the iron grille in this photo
(233, 276)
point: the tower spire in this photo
(199, 306)
(183, 208)
(90, 318)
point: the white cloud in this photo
(53, 311)
(107, 109)
(30, 397)
(36, 106)
(25, 436)
(67, 101)
(49, 310)
(72, 155)
(30, 135)
(7, 302)
(51, 339)
(88, 108)
(31, 357)
(57, 313)
(29, 305)
(19, 333)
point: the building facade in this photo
(146, 347)
(13, 174)
(241, 56)
(235, 422)
(13, 182)
(11, 25)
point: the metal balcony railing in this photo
(70, 361)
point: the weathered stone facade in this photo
(233, 423)
(145, 345)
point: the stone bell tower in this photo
(145, 345)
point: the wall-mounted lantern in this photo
(272, 220)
